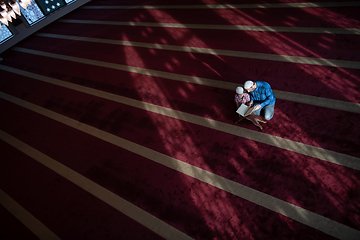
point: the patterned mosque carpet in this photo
(117, 122)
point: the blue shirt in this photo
(263, 94)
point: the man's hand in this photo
(257, 107)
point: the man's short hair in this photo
(248, 84)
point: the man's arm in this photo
(270, 97)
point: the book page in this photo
(242, 110)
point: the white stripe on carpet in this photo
(296, 213)
(151, 222)
(301, 98)
(354, 31)
(25, 217)
(286, 144)
(221, 52)
(234, 6)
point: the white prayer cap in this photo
(239, 90)
(248, 84)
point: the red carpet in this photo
(288, 171)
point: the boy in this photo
(244, 98)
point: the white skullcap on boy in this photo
(248, 84)
(239, 90)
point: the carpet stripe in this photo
(127, 208)
(296, 213)
(301, 98)
(241, 54)
(354, 31)
(233, 6)
(32, 223)
(308, 150)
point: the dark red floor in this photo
(194, 207)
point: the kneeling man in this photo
(262, 98)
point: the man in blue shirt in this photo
(262, 97)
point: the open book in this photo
(244, 110)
